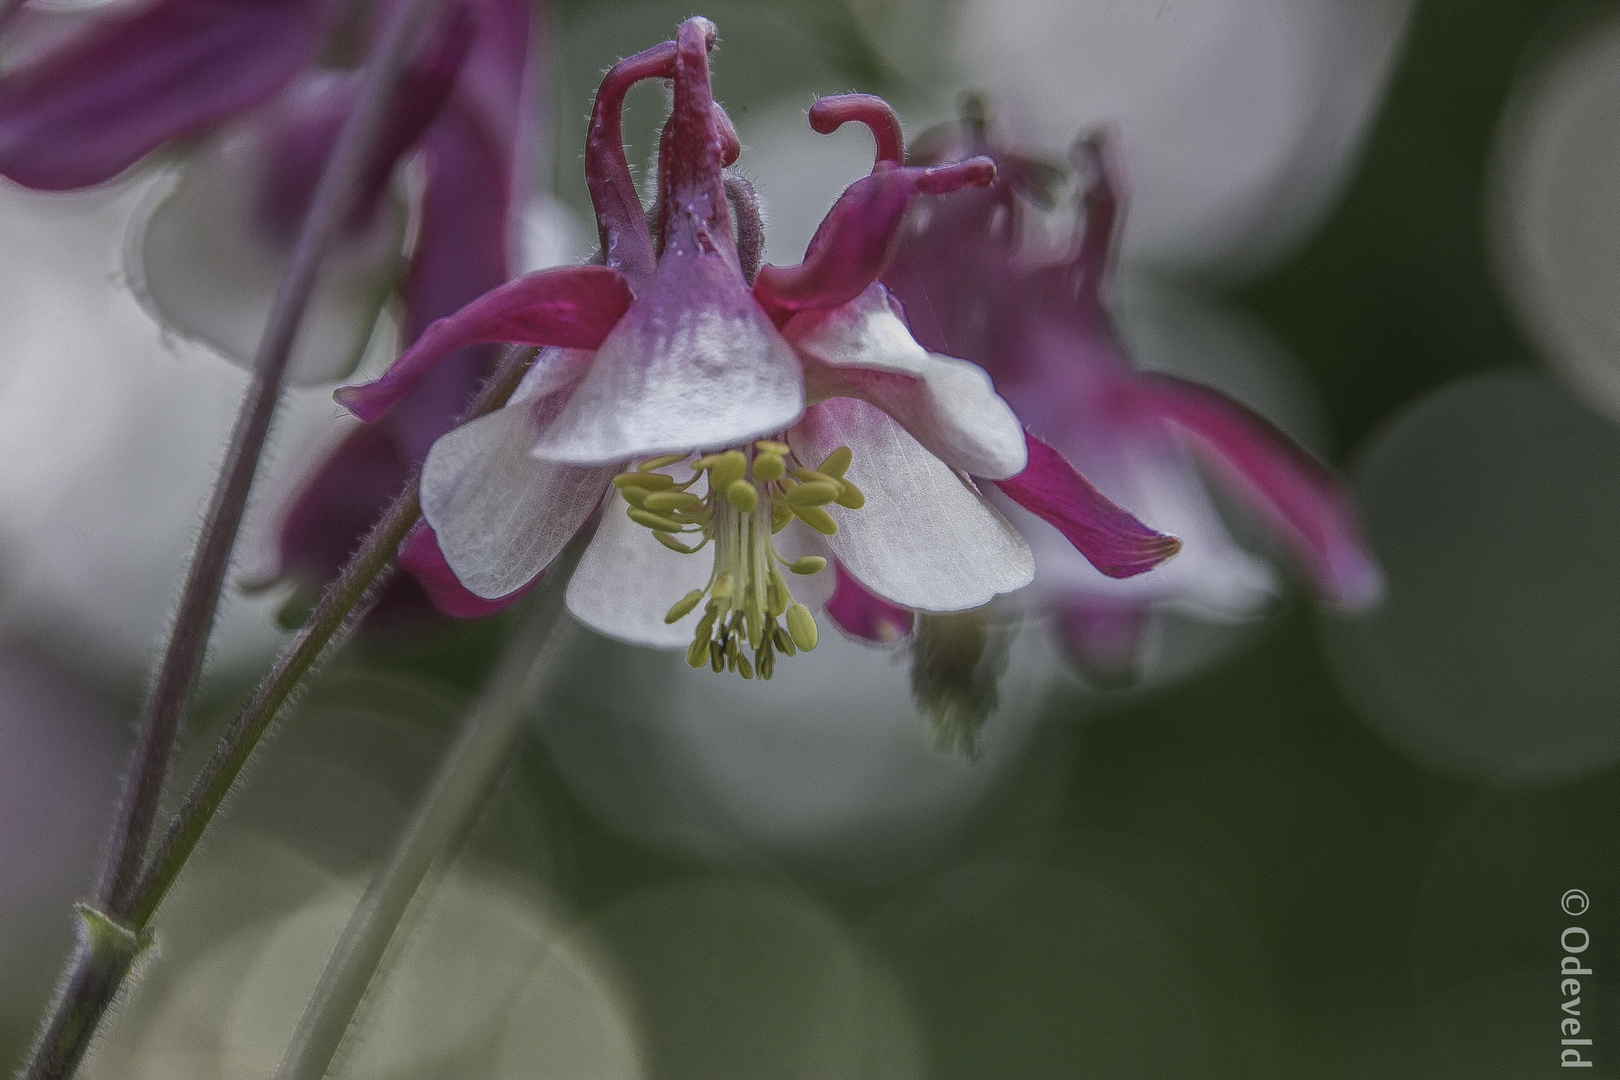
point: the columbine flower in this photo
(820, 427)
(146, 78)
(1046, 334)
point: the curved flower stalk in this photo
(267, 78)
(785, 423)
(1044, 331)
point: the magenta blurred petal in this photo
(342, 501)
(863, 350)
(300, 140)
(864, 615)
(420, 555)
(1105, 533)
(1303, 502)
(574, 307)
(926, 538)
(83, 113)
(855, 240)
(1105, 640)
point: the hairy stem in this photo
(338, 609)
(176, 677)
(90, 985)
(440, 821)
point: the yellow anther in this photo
(751, 617)
(817, 518)
(743, 495)
(683, 607)
(671, 500)
(652, 481)
(780, 597)
(811, 476)
(769, 468)
(672, 543)
(801, 627)
(653, 521)
(733, 465)
(837, 463)
(812, 494)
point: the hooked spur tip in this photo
(974, 172)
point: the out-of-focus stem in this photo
(94, 977)
(339, 608)
(440, 821)
(333, 200)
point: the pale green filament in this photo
(752, 494)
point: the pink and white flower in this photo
(821, 428)
(1044, 330)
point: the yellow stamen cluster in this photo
(751, 494)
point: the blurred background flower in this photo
(1304, 847)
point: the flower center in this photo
(752, 494)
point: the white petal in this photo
(628, 580)
(203, 269)
(863, 350)
(499, 515)
(926, 538)
(811, 590)
(554, 369)
(695, 364)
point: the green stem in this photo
(442, 818)
(333, 200)
(93, 979)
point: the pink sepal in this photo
(865, 615)
(856, 238)
(1301, 499)
(573, 307)
(1104, 532)
(83, 113)
(420, 555)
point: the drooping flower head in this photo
(744, 431)
(1044, 329)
